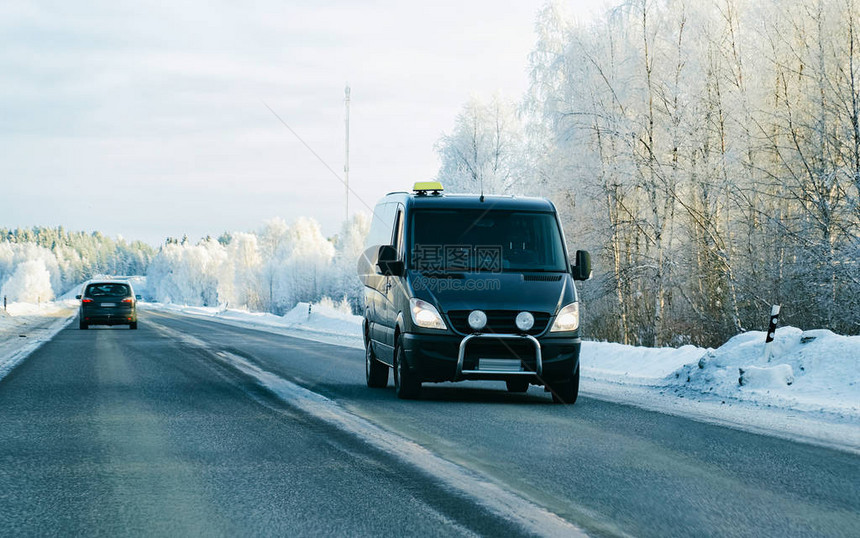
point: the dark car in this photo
(464, 287)
(108, 303)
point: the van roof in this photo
(471, 201)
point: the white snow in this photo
(634, 365)
(324, 322)
(809, 390)
(26, 326)
(809, 371)
(756, 377)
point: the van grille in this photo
(498, 321)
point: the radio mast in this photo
(346, 158)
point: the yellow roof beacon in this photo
(421, 188)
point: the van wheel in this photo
(133, 325)
(375, 372)
(406, 384)
(82, 325)
(517, 385)
(566, 392)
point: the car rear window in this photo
(108, 290)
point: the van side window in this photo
(398, 233)
(380, 226)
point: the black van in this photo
(464, 287)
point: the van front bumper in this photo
(448, 358)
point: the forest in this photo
(267, 270)
(39, 263)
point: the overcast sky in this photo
(149, 119)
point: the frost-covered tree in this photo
(484, 150)
(29, 283)
(71, 257)
(708, 153)
(269, 270)
(349, 245)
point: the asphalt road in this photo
(111, 431)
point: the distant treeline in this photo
(41, 262)
(269, 270)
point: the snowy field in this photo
(810, 389)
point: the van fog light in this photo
(525, 321)
(477, 320)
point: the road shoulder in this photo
(21, 335)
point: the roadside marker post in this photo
(771, 332)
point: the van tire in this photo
(133, 325)
(375, 373)
(567, 391)
(517, 385)
(406, 384)
(82, 325)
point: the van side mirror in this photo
(387, 262)
(581, 269)
(77, 296)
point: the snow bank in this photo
(620, 363)
(773, 376)
(51, 309)
(26, 326)
(324, 321)
(810, 371)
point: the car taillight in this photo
(86, 300)
(128, 300)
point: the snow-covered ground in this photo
(810, 388)
(25, 327)
(320, 322)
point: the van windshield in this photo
(482, 240)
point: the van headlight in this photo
(425, 315)
(567, 319)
